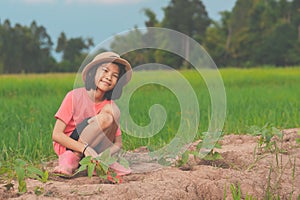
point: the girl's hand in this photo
(90, 152)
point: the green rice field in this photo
(255, 96)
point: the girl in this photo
(87, 121)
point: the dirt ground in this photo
(258, 174)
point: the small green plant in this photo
(20, 170)
(235, 191)
(20, 173)
(38, 190)
(266, 133)
(298, 139)
(212, 155)
(206, 147)
(293, 178)
(100, 165)
(204, 150)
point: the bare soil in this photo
(258, 173)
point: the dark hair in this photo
(116, 92)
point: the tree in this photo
(72, 50)
(188, 17)
(257, 27)
(25, 49)
(296, 15)
(152, 21)
(218, 40)
(284, 51)
(39, 47)
(61, 42)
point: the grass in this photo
(260, 96)
(28, 103)
(254, 97)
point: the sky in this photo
(97, 19)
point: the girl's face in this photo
(107, 76)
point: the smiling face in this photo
(107, 76)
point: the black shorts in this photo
(79, 128)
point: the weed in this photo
(235, 192)
(39, 190)
(293, 178)
(206, 147)
(21, 170)
(205, 150)
(266, 133)
(298, 139)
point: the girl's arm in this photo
(60, 137)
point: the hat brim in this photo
(121, 61)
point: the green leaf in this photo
(218, 146)
(213, 156)
(124, 162)
(36, 173)
(199, 145)
(22, 188)
(105, 155)
(111, 160)
(81, 168)
(38, 190)
(185, 157)
(99, 170)
(217, 156)
(20, 171)
(103, 176)
(86, 160)
(104, 166)
(45, 177)
(20, 162)
(91, 168)
(114, 177)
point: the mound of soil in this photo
(257, 172)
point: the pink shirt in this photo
(76, 107)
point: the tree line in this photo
(253, 33)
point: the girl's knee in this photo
(105, 121)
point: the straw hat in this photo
(108, 57)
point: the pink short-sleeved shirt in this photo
(76, 107)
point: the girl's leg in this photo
(100, 133)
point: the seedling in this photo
(298, 139)
(100, 166)
(212, 155)
(266, 134)
(204, 150)
(237, 193)
(21, 170)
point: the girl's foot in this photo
(68, 162)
